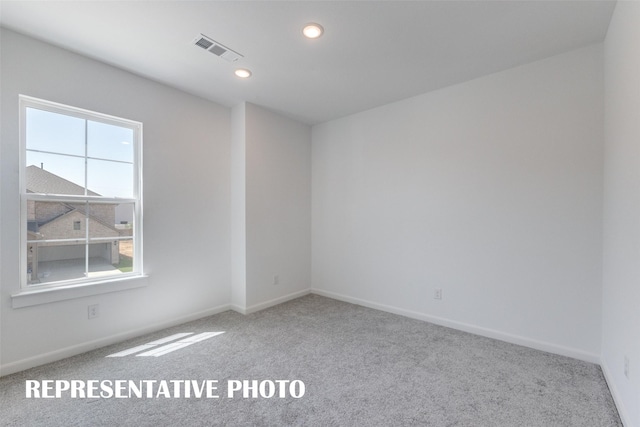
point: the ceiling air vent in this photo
(216, 48)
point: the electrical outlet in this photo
(626, 366)
(93, 311)
(437, 294)
(276, 280)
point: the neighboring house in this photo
(62, 220)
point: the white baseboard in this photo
(238, 308)
(275, 301)
(477, 330)
(74, 350)
(41, 359)
(622, 410)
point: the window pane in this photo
(104, 259)
(52, 262)
(102, 220)
(108, 223)
(124, 218)
(125, 256)
(124, 224)
(55, 220)
(110, 179)
(54, 174)
(47, 259)
(54, 132)
(110, 142)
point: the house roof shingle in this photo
(45, 182)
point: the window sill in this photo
(28, 298)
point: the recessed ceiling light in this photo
(312, 30)
(243, 73)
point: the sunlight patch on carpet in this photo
(154, 348)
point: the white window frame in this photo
(70, 287)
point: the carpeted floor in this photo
(361, 367)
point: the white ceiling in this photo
(372, 52)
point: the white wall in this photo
(490, 190)
(186, 202)
(238, 208)
(621, 295)
(278, 207)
